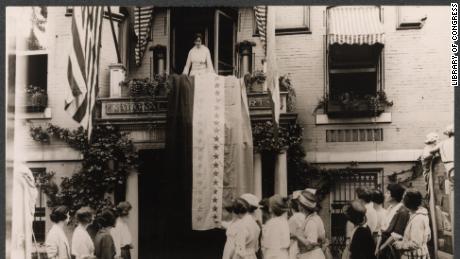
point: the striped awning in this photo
(143, 17)
(355, 25)
(261, 23)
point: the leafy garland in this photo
(265, 141)
(106, 163)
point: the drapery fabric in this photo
(238, 169)
(208, 151)
(179, 238)
(24, 195)
(143, 18)
(222, 147)
(354, 25)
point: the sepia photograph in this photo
(255, 132)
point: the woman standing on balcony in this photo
(199, 59)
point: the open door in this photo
(225, 39)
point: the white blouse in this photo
(276, 238)
(199, 60)
(121, 235)
(82, 245)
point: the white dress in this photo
(232, 230)
(276, 238)
(82, 245)
(296, 222)
(198, 61)
(247, 238)
(313, 232)
(121, 235)
(57, 246)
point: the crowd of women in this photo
(106, 237)
(290, 227)
(390, 226)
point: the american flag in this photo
(83, 64)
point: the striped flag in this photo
(260, 13)
(83, 64)
(143, 18)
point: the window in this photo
(292, 19)
(289, 20)
(126, 38)
(355, 74)
(411, 17)
(38, 225)
(32, 58)
(354, 64)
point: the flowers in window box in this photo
(255, 81)
(147, 87)
(36, 98)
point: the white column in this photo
(281, 173)
(133, 220)
(257, 175)
(117, 75)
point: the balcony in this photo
(144, 118)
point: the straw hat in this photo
(308, 200)
(251, 199)
(431, 138)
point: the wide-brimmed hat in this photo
(251, 199)
(431, 138)
(307, 199)
(295, 194)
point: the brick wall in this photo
(416, 79)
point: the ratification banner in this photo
(208, 151)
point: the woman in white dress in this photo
(198, 59)
(82, 244)
(275, 233)
(57, 245)
(312, 234)
(120, 233)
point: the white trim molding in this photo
(323, 119)
(372, 156)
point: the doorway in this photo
(342, 193)
(152, 190)
(218, 27)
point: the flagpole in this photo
(113, 34)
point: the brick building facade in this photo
(414, 75)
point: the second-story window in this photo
(354, 65)
(32, 57)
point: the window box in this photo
(357, 108)
(36, 102)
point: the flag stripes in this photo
(143, 17)
(83, 63)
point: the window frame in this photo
(411, 25)
(41, 206)
(303, 29)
